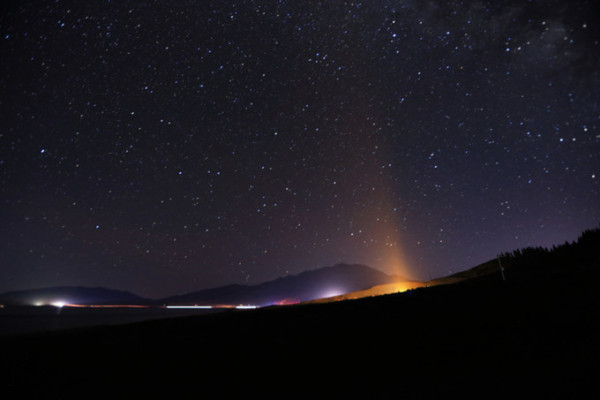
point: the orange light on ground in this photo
(287, 302)
(399, 287)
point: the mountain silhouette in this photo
(70, 295)
(308, 285)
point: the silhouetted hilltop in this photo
(308, 285)
(582, 253)
(70, 295)
(528, 262)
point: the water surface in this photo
(28, 319)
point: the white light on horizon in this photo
(332, 292)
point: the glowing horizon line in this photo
(190, 307)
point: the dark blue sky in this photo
(169, 146)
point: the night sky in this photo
(163, 147)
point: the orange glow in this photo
(287, 302)
(396, 262)
(379, 290)
(404, 286)
(390, 288)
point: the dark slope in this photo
(490, 339)
(322, 282)
(71, 295)
(531, 262)
(533, 335)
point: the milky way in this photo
(169, 146)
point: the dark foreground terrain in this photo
(485, 337)
(535, 335)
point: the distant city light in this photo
(189, 307)
(59, 304)
(332, 292)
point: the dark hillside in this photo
(531, 335)
(527, 263)
(584, 253)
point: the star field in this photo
(169, 146)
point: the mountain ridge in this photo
(71, 295)
(307, 285)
